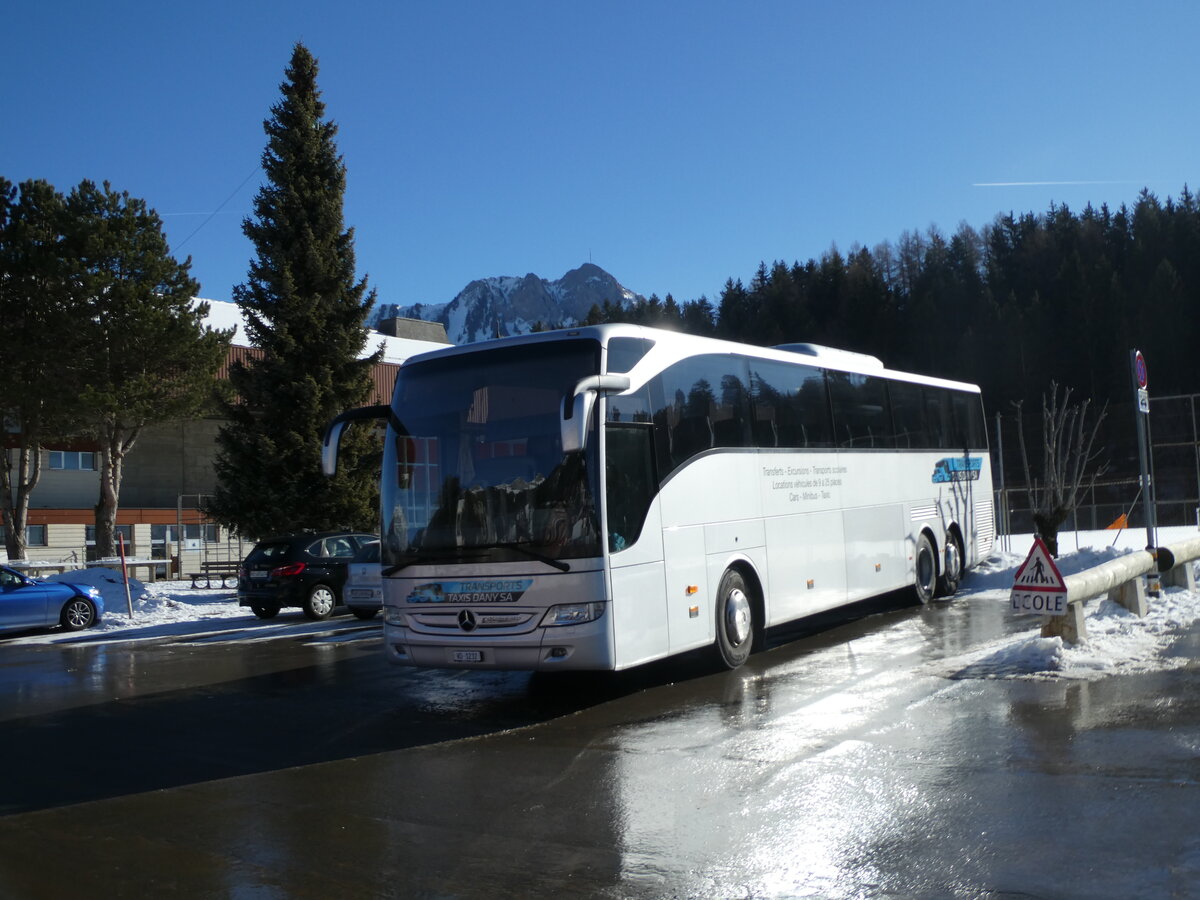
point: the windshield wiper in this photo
(521, 548)
(415, 561)
(451, 554)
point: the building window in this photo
(35, 535)
(125, 531)
(169, 534)
(206, 533)
(73, 460)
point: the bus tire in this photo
(951, 575)
(735, 620)
(926, 569)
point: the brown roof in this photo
(383, 374)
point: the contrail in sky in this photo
(1042, 183)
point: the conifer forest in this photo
(1029, 300)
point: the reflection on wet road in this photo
(853, 762)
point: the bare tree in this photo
(1068, 461)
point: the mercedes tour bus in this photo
(604, 496)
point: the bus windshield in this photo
(473, 467)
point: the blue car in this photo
(26, 603)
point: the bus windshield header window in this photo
(625, 352)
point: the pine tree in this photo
(146, 356)
(36, 300)
(306, 314)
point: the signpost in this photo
(1142, 391)
(1038, 586)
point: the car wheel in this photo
(265, 612)
(320, 602)
(926, 569)
(951, 568)
(364, 614)
(79, 613)
(735, 620)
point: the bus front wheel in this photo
(926, 569)
(735, 620)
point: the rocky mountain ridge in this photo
(505, 305)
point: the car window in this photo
(337, 548)
(369, 553)
(268, 553)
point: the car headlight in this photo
(572, 614)
(392, 615)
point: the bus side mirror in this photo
(329, 447)
(577, 411)
(333, 433)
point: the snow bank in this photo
(1117, 640)
(158, 607)
(108, 582)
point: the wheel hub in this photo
(737, 617)
(953, 562)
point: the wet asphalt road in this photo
(866, 760)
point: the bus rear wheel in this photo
(735, 620)
(951, 575)
(925, 561)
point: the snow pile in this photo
(1117, 640)
(155, 603)
(160, 608)
(107, 581)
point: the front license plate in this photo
(466, 656)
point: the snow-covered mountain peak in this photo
(504, 305)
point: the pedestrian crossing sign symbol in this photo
(1038, 586)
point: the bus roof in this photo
(676, 345)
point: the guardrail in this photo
(1121, 580)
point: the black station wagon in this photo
(306, 570)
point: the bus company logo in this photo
(509, 591)
(957, 468)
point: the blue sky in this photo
(674, 144)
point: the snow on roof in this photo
(223, 315)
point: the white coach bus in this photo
(600, 497)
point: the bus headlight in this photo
(572, 614)
(392, 615)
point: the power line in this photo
(253, 172)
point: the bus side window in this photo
(937, 411)
(731, 425)
(967, 417)
(632, 480)
(791, 405)
(908, 414)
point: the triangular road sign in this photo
(1038, 572)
